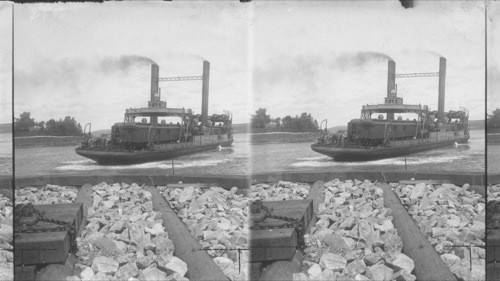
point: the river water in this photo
(493, 158)
(5, 154)
(265, 158)
(64, 160)
(300, 157)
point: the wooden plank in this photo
(84, 197)
(317, 194)
(200, 265)
(428, 264)
(25, 273)
(423, 181)
(184, 185)
(41, 248)
(283, 270)
(273, 244)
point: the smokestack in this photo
(391, 77)
(442, 79)
(391, 83)
(204, 93)
(155, 69)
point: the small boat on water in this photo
(153, 139)
(385, 136)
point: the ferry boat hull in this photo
(169, 151)
(345, 154)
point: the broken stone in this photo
(156, 229)
(105, 265)
(404, 262)
(177, 265)
(333, 261)
(152, 274)
(354, 268)
(301, 276)
(87, 274)
(127, 271)
(314, 271)
(381, 272)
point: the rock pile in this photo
(218, 219)
(6, 256)
(353, 239)
(124, 238)
(50, 194)
(282, 190)
(493, 208)
(493, 192)
(450, 216)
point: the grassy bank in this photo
(282, 137)
(41, 141)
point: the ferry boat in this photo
(150, 140)
(379, 134)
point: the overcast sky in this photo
(327, 58)
(90, 61)
(5, 62)
(493, 56)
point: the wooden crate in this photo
(281, 243)
(25, 273)
(47, 247)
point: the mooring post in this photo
(173, 169)
(406, 168)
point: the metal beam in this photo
(180, 78)
(412, 75)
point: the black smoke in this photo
(350, 60)
(123, 63)
(72, 74)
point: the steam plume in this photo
(359, 59)
(123, 63)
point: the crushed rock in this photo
(218, 219)
(450, 216)
(6, 243)
(124, 238)
(282, 190)
(50, 194)
(353, 238)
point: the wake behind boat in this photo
(150, 140)
(368, 138)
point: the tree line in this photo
(27, 126)
(303, 123)
(493, 120)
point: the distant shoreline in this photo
(44, 141)
(283, 137)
